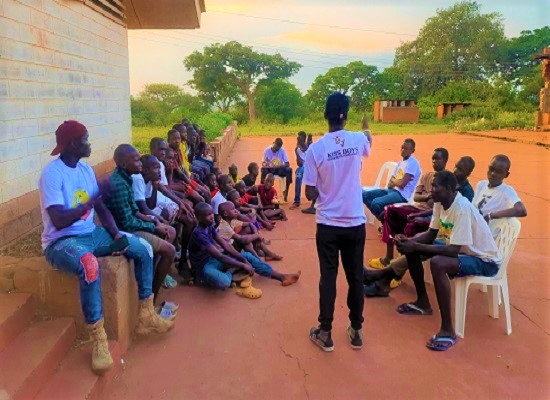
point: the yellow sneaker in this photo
(376, 263)
(395, 283)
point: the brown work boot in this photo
(149, 321)
(101, 358)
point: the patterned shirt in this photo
(122, 205)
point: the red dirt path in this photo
(231, 348)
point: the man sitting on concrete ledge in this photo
(69, 196)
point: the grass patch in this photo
(317, 128)
(141, 136)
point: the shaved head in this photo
(226, 207)
(122, 152)
(202, 208)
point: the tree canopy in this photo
(222, 70)
(459, 43)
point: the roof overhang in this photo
(163, 14)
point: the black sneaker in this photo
(355, 338)
(321, 338)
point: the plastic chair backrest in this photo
(387, 169)
(506, 231)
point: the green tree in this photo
(280, 101)
(359, 80)
(223, 68)
(167, 93)
(458, 43)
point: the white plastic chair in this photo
(387, 169)
(508, 232)
(282, 184)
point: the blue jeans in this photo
(215, 274)
(74, 254)
(377, 199)
(299, 177)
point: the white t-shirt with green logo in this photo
(462, 225)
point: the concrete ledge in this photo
(222, 145)
(57, 294)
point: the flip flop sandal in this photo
(169, 282)
(294, 206)
(412, 309)
(170, 305)
(372, 290)
(441, 343)
(394, 284)
(249, 292)
(376, 263)
(246, 282)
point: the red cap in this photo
(66, 133)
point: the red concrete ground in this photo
(231, 348)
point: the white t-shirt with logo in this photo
(333, 165)
(409, 166)
(464, 226)
(488, 200)
(275, 158)
(61, 185)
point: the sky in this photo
(319, 34)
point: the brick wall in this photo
(59, 60)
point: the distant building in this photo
(66, 59)
(395, 111)
(445, 109)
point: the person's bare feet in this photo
(273, 257)
(266, 241)
(290, 279)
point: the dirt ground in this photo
(231, 348)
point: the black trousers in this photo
(279, 171)
(349, 243)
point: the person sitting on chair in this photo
(276, 162)
(458, 243)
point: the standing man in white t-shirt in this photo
(495, 199)
(332, 172)
(401, 185)
(276, 162)
(459, 243)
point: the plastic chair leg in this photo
(483, 288)
(492, 300)
(506, 301)
(461, 298)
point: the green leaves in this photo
(227, 72)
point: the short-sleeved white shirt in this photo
(275, 158)
(68, 187)
(216, 201)
(488, 200)
(462, 225)
(409, 166)
(143, 191)
(333, 165)
(163, 179)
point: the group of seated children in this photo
(448, 223)
(155, 209)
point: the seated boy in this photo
(150, 197)
(401, 184)
(459, 243)
(180, 171)
(495, 199)
(253, 172)
(126, 213)
(243, 235)
(380, 288)
(224, 186)
(69, 199)
(234, 174)
(213, 259)
(267, 199)
(246, 202)
(396, 221)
